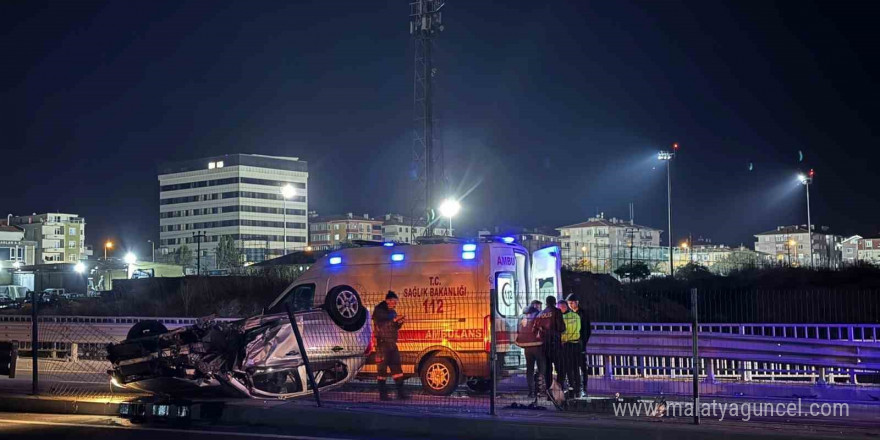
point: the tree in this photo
(228, 256)
(693, 271)
(636, 271)
(183, 256)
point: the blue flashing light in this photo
(335, 260)
(507, 240)
(468, 255)
(396, 257)
(469, 247)
(388, 244)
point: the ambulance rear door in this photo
(546, 274)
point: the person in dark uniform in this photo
(551, 325)
(386, 323)
(586, 331)
(531, 339)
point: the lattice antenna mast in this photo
(425, 22)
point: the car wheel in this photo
(439, 376)
(345, 308)
(145, 329)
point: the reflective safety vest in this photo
(572, 327)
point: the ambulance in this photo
(444, 290)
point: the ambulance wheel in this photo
(439, 376)
(144, 329)
(345, 308)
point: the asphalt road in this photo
(43, 426)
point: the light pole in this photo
(287, 192)
(667, 157)
(107, 245)
(449, 208)
(791, 244)
(807, 180)
(199, 235)
(152, 250)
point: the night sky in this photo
(549, 110)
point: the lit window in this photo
(220, 164)
(211, 165)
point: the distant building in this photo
(15, 252)
(791, 245)
(398, 228)
(330, 232)
(236, 195)
(58, 237)
(530, 238)
(869, 250)
(849, 249)
(601, 245)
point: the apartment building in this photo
(869, 250)
(600, 244)
(331, 232)
(57, 237)
(791, 245)
(236, 195)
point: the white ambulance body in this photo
(444, 291)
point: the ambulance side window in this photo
(300, 298)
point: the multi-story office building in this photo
(235, 195)
(791, 245)
(330, 232)
(401, 229)
(600, 244)
(59, 237)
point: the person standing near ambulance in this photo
(531, 339)
(386, 324)
(571, 350)
(551, 325)
(586, 330)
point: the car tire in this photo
(344, 305)
(145, 329)
(439, 376)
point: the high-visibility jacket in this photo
(572, 331)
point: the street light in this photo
(79, 267)
(107, 245)
(806, 180)
(287, 192)
(791, 245)
(130, 258)
(667, 156)
(449, 208)
(152, 249)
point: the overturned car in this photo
(258, 357)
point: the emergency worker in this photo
(551, 325)
(586, 331)
(386, 323)
(531, 339)
(571, 350)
